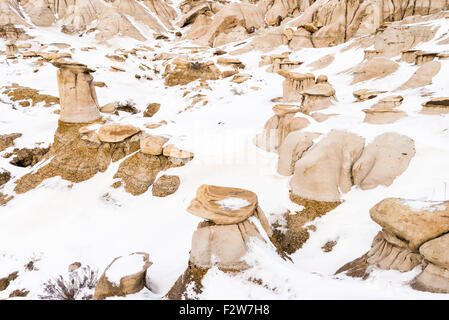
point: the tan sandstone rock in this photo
(292, 149)
(325, 169)
(423, 76)
(77, 94)
(413, 221)
(116, 132)
(116, 281)
(386, 158)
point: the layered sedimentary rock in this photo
(338, 21)
(279, 126)
(223, 240)
(77, 94)
(414, 233)
(232, 23)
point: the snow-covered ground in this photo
(60, 222)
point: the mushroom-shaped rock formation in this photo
(410, 55)
(319, 96)
(292, 149)
(279, 126)
(386, 158)
(223, 205)
(388, 102)
(11, 49)
(223, 240)
(377, 67)
(281, 62)
(366, 94)
(436, 106)
(414, 232)
(77, 93)
(423, 76)
(423, 57)
(182, 72)
(124, 275)
(294, 84)
(325, 169)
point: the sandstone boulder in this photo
(152, 109)
(413, 221)
(124, 275)
(386, 158)
(325, 169)
(116, 132)
(165, 186)
(292, 149)
(139, 171)
(152, 145)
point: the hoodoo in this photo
(79, 102)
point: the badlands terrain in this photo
(196, 149)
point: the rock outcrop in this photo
(232, 23)
(414, 233)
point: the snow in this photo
(125, 266)
(416, 205)
(60, 222)
(232, 203)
